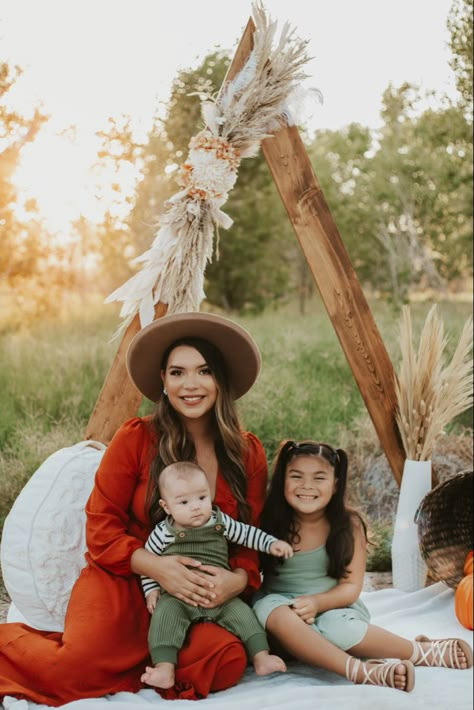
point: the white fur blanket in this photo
(429, 611)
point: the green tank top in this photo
(304, 573)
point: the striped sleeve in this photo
(247, 535)
(158, 540)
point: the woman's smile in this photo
(189, 382)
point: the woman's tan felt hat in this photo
(238, 348)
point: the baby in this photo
(197, 529)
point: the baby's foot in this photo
(159, 676)
(265, 663)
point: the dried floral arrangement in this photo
(248, 109)
(429, 392)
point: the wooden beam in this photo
(119, 399)
(333, 273)
(338, 285)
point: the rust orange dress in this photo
(103, 648)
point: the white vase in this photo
(409, 570)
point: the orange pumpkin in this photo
(463, 594)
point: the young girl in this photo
(310, 603)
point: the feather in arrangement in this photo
(429, 392)
(248, 109)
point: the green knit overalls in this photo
(173, 617)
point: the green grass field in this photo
(51, 375)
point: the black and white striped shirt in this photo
(234, 531)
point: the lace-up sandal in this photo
(441, 653)
(380, 673)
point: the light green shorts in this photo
(344, 628)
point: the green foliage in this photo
(403, 204)
(379, 557)
(460, 28)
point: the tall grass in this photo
(51, 375)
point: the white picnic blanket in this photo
(429, 611)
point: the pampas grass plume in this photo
(429, 392)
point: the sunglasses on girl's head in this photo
(293, 448)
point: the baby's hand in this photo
(151, 600)
(280, 548)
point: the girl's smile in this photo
(309, 483)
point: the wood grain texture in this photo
(118, 399)
(338, 285)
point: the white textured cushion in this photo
(43, 540)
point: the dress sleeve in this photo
(108, 509)
(257, 476)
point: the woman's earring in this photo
(165, 392)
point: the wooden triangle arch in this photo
(336, 280)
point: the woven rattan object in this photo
(444, 519)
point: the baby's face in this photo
(187, 500)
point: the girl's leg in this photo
(304, 643)
(379, 643)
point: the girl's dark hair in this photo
(278, 517)
(174, 443)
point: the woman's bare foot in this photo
(446, 653)
(265, 663)
(159, 676)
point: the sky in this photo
(86, 60)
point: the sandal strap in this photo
(352, 673)
(380, 674)
(375, 672)
(440, 654)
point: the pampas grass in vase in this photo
(430, 393)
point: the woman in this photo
(193, 366)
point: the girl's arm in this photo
(346, 591)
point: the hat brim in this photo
(238, 349)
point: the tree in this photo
(402, 197)
(22, 238)
(459, 24)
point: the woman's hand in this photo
(226, 584)
(306, 607)
(175, 576)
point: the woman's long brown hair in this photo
(174, 444)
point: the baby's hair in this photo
(278, 516)
(176, 470)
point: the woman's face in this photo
(310, 484)
(191, 387)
